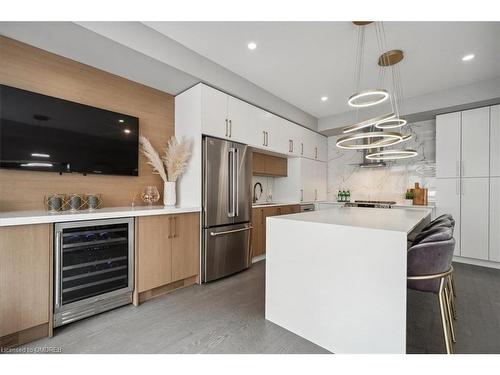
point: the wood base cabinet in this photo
(25, 281)
(167, 250)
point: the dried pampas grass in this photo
(176, 156)
(154, 159)
(174, 161)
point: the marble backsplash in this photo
(391, 182)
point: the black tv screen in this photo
(43, 133)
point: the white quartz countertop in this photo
(44, 217)
(373, 218)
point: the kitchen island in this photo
(337, 277)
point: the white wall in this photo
(388, 183)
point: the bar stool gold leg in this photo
(444, 323)
(448, 308)
(452, 296)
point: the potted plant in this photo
(170, 167)
(409, 197)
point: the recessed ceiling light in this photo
(468, 57)
(39, 155)
(127, 131)
(324, 98)
(252, 45)
(121, 121)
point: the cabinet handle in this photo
(262, 216)
(264, 141)
(302, 148)
(267, 139)
(301, 195)
(170, 227)
(316, 152)
(230, 128)
(226, 127)
(175, 227)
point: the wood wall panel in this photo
(36, 70)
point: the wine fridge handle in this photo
(57, 270)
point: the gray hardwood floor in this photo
(227, 316)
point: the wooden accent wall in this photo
(36, 70)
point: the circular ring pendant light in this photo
(385, 142)
(391, 155)
(391, 123)
(350, 142)
(369, 122)
(367, 98)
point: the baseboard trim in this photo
(23, 337)
(258, 258)
(477, 262)
(164, 289)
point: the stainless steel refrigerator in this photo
(227, 203)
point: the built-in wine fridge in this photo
(93, 267)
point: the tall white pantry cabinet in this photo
(468, 180)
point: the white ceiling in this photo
(302, 61)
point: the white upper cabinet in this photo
(475, 142)
(448, 145)
(227, 117)
(214, 118)
(245, 122)
(495, 141)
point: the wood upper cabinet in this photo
(186, 246)
(167, 249)
(268, 165)
(25, 264)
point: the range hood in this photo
(367, 163)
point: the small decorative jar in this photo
(55, 202)
(75, 202)
(150, 195)
(93, 201)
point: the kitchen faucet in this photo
(255, 194)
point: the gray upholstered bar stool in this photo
(429, 265)
(427, 233)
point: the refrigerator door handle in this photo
(236, 178)
(215, 234)
(231, 195)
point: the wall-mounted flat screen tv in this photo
(43, 133)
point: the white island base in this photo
(338, 277)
